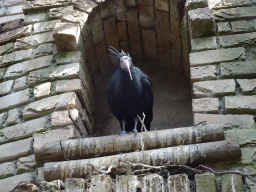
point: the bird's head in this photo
(124, 59)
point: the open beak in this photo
(127, 66)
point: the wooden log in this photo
(181, 155)
(110, 145)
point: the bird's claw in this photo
(135, 131)
(122, 132)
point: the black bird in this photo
(129, 94)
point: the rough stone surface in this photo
(240, 104)
(15, 57)
(235, 13)
(68, 57)
(237, 40)
(205, 182)
(216, 56)
(214, 88)
(150, 44)
(110, 31)
(162, 5)
(86, 6)
(103, 57)
(231, 182)
(6, 87)
(238, 69)
(75, 16)
(178, 183)
(57, 13)
(243, 136)
(61, 118)
(26, 163)
(223, 27)
(153, 182)
(25, 67)
(247, 85)
(210, 105)
(3, 117)
(227, 120)
(75, 185)
(33, 18)
(202, 73)
(44, 50)
(97, 29)
(201, 44)
(20, 83)
(163, 29)
(218, 4)
(6, 48)
(13, 116)
(202, 22)
(10, 25)
(7, 169)
(2, 73)
(146, 13)
(14, 10)
(14, 150)
(248, 156)
(101, 183)
(42, 90)
(242, 26)
(53, 186)
(194, 4)
(49, 104)
(9, 184)
(44, 26)
(11, 18)
(22, 130)
(14, 99)
(125, 183)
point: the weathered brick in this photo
(15, 57)
(238, 39)
(210, 105)
(20, 83)
(11, 18)
(235, 13)
(242, 26)
(7, 48)
(75, 184)
(3, 11)
(75, 16)
(22, 130)
(214, 88)
(178, 183)
(240, 104)
(194, 4)
(102, 183)
(56, 13)
(229, 182)
(248, 155)
(14, 99)
(34, 18)
(11, 25)
(127, 183)
(238, 69)
(7, 169)
(227, 120)
(44, 26)
(202, 73)
(205, 182)
(120, 10)
(223, 27)
(247, 85)
(25, 164)
(213, 4)
(202, 23)
(243, 136)
(216, 56)
(97, 29)
(153, 182)
(14, 150)
(10, 183)
(44, 50)
(9, 3)
(25, 67)
(6, 87)
(49, 104)
(33, 40)
(13, 116)
(107, 9)
(2, 73)
(86, 6)
(146, 13)
(110, 31)
(150, 44)
(201, 44)
(42, 90)
(14, 10)
(67, 36)
(68, 57)
(3, 117)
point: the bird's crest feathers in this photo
(116, 55)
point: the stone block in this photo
(11, 18)
(235, 13)
(153, 182)
(223, 27)
(25, 67)
(202, 73)
(42, 90)
(103, 57)
(131, 3)
(44, 50)
(241, 69)
(2, 73)
(248, 156)
(75, 16)
(7, 48)
(14, 10)
(7, 169)
(86, 6)
(14, 150)
(179, 183)
(15, 34)
(163, 29)
(50, 104)
(240, 104)
(205, 182)
(14, 99)
(3, 11)
(67, 36)
(202, 44)
(209, 105)
(20, 83)
(202, 23)
(68, 57)
(226, 120)
(6, 87)
(10, 3)
(164, 56)
(75, 185)
(126, 183)
(174, 18)
(229, 182)
(22, 130)
(247, 86)
(3, 117)
(120, 10)
(175, 52)
(162, 5)
(33, 40)
(216, 56)
(244, 136)
(214, 88)
(110, 30)
(13, 116)
(10, 183)
(242, 26)
(195, 4)
(146, 13)
(25, 164)
(213, 4)
(11, 25)
(97, 28)
(53, 186)
(107, 9)
(56, 13)
(237, 40)
(101, 183)
(34, 18)
(150, 44)
(44, 26)
(91, 54)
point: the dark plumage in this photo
(129, 94)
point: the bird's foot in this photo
(122, 132)
(135, 131)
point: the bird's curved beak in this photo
(127, 66)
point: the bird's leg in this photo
(136, 120)
(123, 127)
